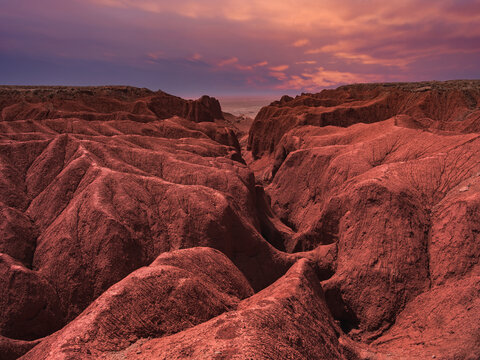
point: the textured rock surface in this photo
(101, 103)
(11, 349)
(28, 303)
(178, 290)
(84, 202)
(371, 193)
(450, 105)
(397, 193)
(287, 320)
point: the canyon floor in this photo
(339, 225)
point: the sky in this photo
(237, 47)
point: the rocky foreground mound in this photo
(132, 225)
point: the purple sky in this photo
(235, 47)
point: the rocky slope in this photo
(347, 230)
(101, 103)
(395, 187)
(430, 105)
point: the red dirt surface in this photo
(347, 230)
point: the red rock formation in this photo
(370, 190)
(86, 202)
(396, 196)
(108, 197)
(440, 105)
(28, 303)
(287, 320)
(101, 103)
(11, 349)
(178, 290)
(203, 109)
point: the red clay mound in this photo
(178, 290)
(287, 320)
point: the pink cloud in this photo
(278, 75)
(261, 63)
(306, 62)
(228, 61)
(301, 42)
(279, 68)
(155, 55)
(321, 77)
(252, 67)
